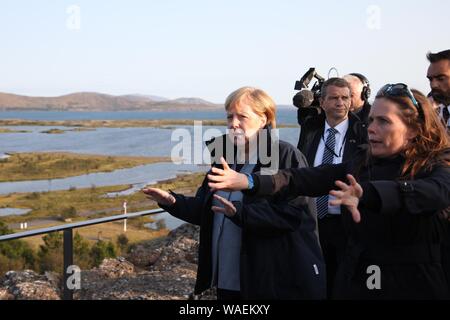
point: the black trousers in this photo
(445, 256)
(223, 294)
(333, 241)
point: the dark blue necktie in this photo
(328, 154)
(445, 115)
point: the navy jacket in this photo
(312, 130)
(280, 254)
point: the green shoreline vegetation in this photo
(6, 130)
(40, 166)
(60, 131)
(119, 123)
(89, 202)
(53, 131)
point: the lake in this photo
(285, 115)
(108, 141)
(13, 212)
(115, 142)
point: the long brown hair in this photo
(432, 142)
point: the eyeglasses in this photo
(402, 90)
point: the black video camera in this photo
(306, 100)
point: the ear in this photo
(263, 121)
(411, 134)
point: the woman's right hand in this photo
(226, 179)
(160, 196)
(348, 195)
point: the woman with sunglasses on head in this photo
(394, 191)
(271, 249)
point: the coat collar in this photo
(223, 146)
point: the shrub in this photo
(122, 243)
(102, 250)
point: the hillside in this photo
(92, 101)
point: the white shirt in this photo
(441, 113)
(338, 150)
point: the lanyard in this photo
(330, 149)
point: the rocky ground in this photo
(163, 269)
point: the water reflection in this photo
(4, 212)
(164, 220)
(137, 176)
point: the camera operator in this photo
(360, 87)
(332, 136)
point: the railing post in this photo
(68, 261)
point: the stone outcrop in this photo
(161, 269)
(28, 285)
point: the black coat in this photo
(363, 114)
(400, 229)
(280, 251)
(312, 131)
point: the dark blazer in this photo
(363, 114)
(312, 131)
(400, 230)
(280, 251)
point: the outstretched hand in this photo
(228, 208)
(446, 213)
(160, 196)
(348, 196)
(226, 178)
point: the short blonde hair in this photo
(261, 103)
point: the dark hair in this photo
(337, 82)
(435, 57)
(430, 145)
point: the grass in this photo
(91, 203)
(6, 130)
(60, 131)
(107, 232)
(53, 131)
(42, 166)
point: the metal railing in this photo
(68, 239)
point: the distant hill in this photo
(140, 97)
(92, 101)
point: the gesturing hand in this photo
(446, 213)
(348, 196)
(229, 209)
(160, 196)
(226, 178)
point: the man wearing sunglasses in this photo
(439, 76)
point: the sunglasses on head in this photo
(400, 90)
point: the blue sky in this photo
(207, 49)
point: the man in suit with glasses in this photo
(332, 137)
